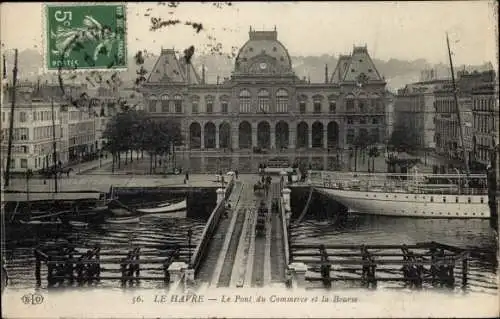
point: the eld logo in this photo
(32, 299)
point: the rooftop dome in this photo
(263, 54)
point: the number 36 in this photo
(61, 17)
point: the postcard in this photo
(249, 159)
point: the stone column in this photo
(254, 135)
(286, 196)
(292, 137)
(272, 132)
(202, 137)
(220, 194)
(217, 137)
(310, 136)
(298, 274)
(176, 271)
(325, 137)
(234, 137)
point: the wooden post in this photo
(166, 273)
(38, 266)
(123, 268)
(137, 266)
(465, 267)
(70, 268)
(79, 270)
(98, 265)
(325, 267)
(50, 270)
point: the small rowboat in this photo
(40, 222)
(123, 220)
(79, 224)
(170, 208)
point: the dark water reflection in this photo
(366, 229)
(151, 230)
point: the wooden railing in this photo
(411, 183)
(210, 227)
(81, 265)
(286, 246)
(413, 264)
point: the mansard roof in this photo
(339, 71)
(352, 68)
(170, 69)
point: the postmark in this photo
(85, 36)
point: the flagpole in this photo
(11, 122)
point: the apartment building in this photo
(43, 116)
(414, 110)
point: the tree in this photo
(403, 139)
(361, 141)
(373, 153)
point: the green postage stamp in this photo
(85, 36)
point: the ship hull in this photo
(412, 205)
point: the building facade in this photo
(265, 105)
(415, 110)
(477, 97)
(42, 116)
(485, 112)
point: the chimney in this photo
(218, 80)
(203, 74)
(326, 73)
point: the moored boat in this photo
(37, 222)
(164, 209)
(78, 224)
(123, 220)
(399, 195)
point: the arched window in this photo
(302, 104)
(165, 107)
(245, 101)
(263, 101)
(332, 104)
(317, 103)
(195, 108)
(224, 104)
(209, 101)
(153, 99)
(349, 104)
(281, 101)
(178, 103)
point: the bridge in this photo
(230, 254)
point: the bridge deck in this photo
(236, 256)
(215, 249)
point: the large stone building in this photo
(477, 98)
(264, 104)
(485, 112)
(415, 111)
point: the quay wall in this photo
(201, 201)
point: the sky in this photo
(400, 30)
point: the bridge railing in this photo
(210, 227)
(286, 246)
